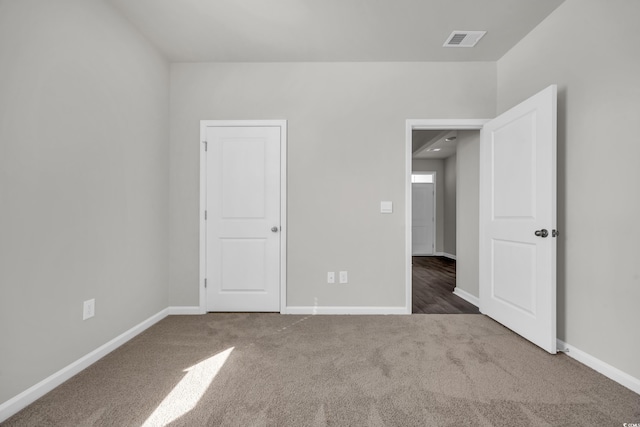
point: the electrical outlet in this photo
(344, 278)
(89, 309)
(331, 277)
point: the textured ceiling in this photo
(331, 30)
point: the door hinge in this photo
(205, 145)
(205, 283)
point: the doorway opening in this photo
(431, 148)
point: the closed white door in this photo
(518, 219)
(243, 218)
(422, 219)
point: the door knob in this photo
(542, 233)
(274, 229)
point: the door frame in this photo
(435, 209)
(282, 124)
(410, 126)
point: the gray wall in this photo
(346, 154)
(437, 166)
(599, 102)
(467, 212)
(83, 185)
(450, 190)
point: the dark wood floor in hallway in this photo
(434, 279)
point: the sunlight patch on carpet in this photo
(188, 392)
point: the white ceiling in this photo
(331, 30)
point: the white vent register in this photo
(460, 38)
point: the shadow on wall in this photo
(561, 271)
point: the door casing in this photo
(283, 203)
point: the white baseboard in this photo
(444, 254)
(345, 310)
(466, 296)
(17, 403)
(604, 368)
(187, 310)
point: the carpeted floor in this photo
(273, 370)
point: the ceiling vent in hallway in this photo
(464, 38)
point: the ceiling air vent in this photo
(464, 38)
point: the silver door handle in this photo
(542, 233)
(275, 229)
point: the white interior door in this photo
(243, 218)
(422, 219)
(517, 210)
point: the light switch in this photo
(386, 207)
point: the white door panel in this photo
(518, 189)
(243, 177)
(235, 277)
(513, 168)
(243, 205)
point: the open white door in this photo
(518, 219)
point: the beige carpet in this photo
(274, 370)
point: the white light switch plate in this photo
(386, 207)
